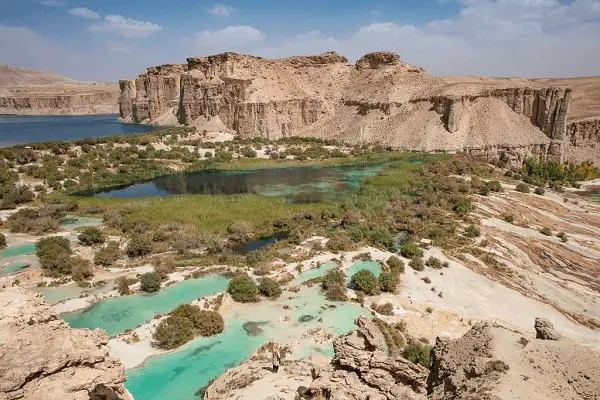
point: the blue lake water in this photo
(297, 185)
(23, 129)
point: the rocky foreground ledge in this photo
(488, 362)
(42, 358)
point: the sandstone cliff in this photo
(380, 99)
(29, 92)
(42, 358)
(488, 363)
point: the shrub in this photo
(2, 241)
(410, 250)
(333, 277)
(149, 283)
(395, 264)
(562, 236)
(546, 231)
(383, 309)
(108, 255)
(509, 218)
(472, 231)
(340, 242)
(206, 323)
(462, 206)
(433, 262)
(365, 281)
(139, 246)
(539, 190)
(336, 292)
(30, 220)
(123, 284)
(173, 332)
(81, 269)
(417, 353)
(269, 288)
(388, 282)
(417, 264)
(243, 289)
(495, 186)
(381, 237)
(522, 187)
(54, 254)
(90, 236)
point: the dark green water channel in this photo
(297, 185)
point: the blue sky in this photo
(110, 39)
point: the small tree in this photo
(2, 241)
(395, 264)
(417, 264)
(336, 292)
(417, 353)
(333, 277)
(365, 281)
(434, 262)
(149, 282)
(388, 282)
(173, 332)
(54, 254)
(81, 269)
(243, 289)
(206, 323)
(139, 246)
(123, 284)
(410, 250)
(90, 236)
(269, 288)
(108, 255)
(522, 187)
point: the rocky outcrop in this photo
(545, 330)
(493, 362)
(42, 358)
(379, 99)
(361, 370)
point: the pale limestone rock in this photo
(545, 330)
(42, 358)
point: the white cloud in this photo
(232, 38)
(221, 10)
(126, 27)
(84, 13)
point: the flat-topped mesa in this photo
(380, 98)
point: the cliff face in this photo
(380, 99)
(42, 358)
(30, 92)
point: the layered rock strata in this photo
(379, 99)
(42, 358)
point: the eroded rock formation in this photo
(489, 362)
(30, 92)
(42, 358)
(380, 99)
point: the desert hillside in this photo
(378, 99)
(31, 92)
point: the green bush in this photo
(333, 277)
(522, 187)
(462, 206)
(206, 323)
(107, 255)
(472, 231)
(539, 191)
(243, 289)
(546, 231)
(90, 236)
(139, 246)
(149, 282)
(509, 218)
(417, 264)
(2, 241)
(336, 292)
(433, 262)
(383, 309)
(365, 281)
(54, 254)
(417, 353)
(173, 332)
(395, 264)
(269, 288)
(340, 242)
(381, 237)
(388, 282)
(495, 186)
(410, 250)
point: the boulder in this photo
(545, 330)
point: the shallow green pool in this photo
(72, 222)
(372, 266)
(314, 273)
(14, 268)
(17, 251)
(117, 315)
(179, 375)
